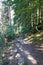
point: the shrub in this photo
(9, 33)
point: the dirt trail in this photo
(27, 51)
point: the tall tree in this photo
(27, 12)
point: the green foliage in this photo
(9, 32)
(27, 13)
(2, 45)
(1, 40)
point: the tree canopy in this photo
(27, 13)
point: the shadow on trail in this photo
(26, 51)
(30, 53)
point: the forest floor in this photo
(26, 49)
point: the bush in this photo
(9, 33)
(1, 40)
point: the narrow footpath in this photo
(21, 51)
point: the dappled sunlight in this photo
(13, 51)
(12, 0)
(32, 59)
(20, 28)
(28, 38)
(35, 38)
(28, 41)
(25, 39)
(41, 33)
(21, 49)
(3, 55)
(27, 54)
(38, 35)
(11, 58)
(10, 47)
(41, 38)
(17, 55)
(21, 32)
(39, 47)
(31, 39)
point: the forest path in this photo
(24, 51)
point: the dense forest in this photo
(26, 21)
(28, 14)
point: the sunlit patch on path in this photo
(22, 51)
